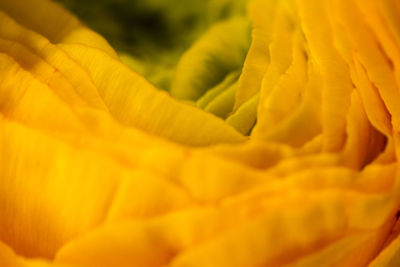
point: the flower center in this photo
(196, 52)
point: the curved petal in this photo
(370, 56)
(53, 22)
(262, 15)
(334, 71)
(42, 50)
(217, 90)
(134, 102)
(245, 117)
(220, 51)
(222, 105)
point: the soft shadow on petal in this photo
(53, 22)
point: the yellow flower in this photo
(293, 160)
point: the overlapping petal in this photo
(100, 168)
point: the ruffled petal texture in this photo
(273, 141)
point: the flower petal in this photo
(262, 15)
(53, 22)
(134, 102)
(44, 53)
(220, 51)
